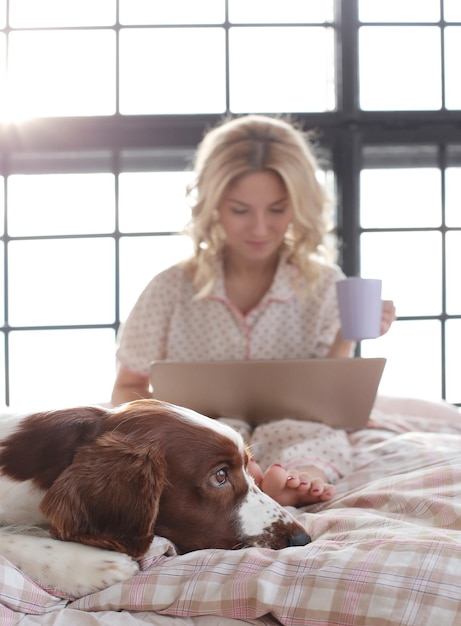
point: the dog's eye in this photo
(219, 478)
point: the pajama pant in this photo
(295, 443)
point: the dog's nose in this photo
(299, 539)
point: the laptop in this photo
(339, 392)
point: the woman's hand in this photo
(388, 316)
(343, 348)
(129, 386)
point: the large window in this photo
(103, 104)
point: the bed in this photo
(385, 550)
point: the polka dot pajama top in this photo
(169, 322)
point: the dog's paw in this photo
(72, 569)
(102, 569)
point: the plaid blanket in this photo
(386, 550)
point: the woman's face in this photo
(255, 213)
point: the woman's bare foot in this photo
(294, 487)
(255, 471)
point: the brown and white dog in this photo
(114, 478)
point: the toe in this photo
(274, 480)
(317, 487)
(328, 493)
(293, 480)
(255, 471)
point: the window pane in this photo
(61, 367)
(453, 360)
(400, 68)
(34, 13)
(68, 281)
(172, 12)
(141, 258)
(274, 11)
(3, 108)
(153, 201)
(281, 69)
(453, 76)
(400, 198)
(158, 76)
(453, 196)
(62, 73)
(57, 204)
(413, 353)
(2, 287)
(2, 204)
(410, 265)
(2, 369)
(453, 242)
(399, 10)
(452, 10)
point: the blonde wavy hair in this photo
(256, 143)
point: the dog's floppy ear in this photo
(27, 454)
(109, 496)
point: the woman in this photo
(260, 285)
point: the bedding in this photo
(385, 550)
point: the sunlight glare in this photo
(46, 13)
(2, 76)
(399, 11)
(400, 68)
(274, 11)
(60, 73)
